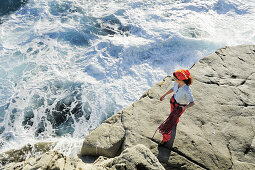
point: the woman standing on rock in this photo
(180, 101)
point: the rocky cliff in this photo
(217, 133)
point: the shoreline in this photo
(215, 134)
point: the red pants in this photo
(168, 125)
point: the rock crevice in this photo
(189, 158)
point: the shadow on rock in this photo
(164, 151)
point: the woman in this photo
(180, 101)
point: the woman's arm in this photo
(162, 98)
(189, 105)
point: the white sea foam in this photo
(100, 56)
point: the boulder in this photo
(25, 152)
(217, 133)
(137, 157)
(51, 160)
(107, 143)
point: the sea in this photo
(67, 65)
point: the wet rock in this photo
(19, 155)
(52, 160)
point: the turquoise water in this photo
(65, 66)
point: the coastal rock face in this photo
(136, 157)
(106, 143)
(22, 154)
(225, 95)
(51, 160)
(217, 133)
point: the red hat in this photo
(182, 74)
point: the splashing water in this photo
(68, 65)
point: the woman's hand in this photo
(183, 107)
(162, 98)
(189, 105)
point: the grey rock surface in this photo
(106, 143)
(51, 160)
(136, 157)
(19, 155)
(217, 133)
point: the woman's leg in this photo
(167, 137)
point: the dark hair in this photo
(188, 82)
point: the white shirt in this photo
(183, 94)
